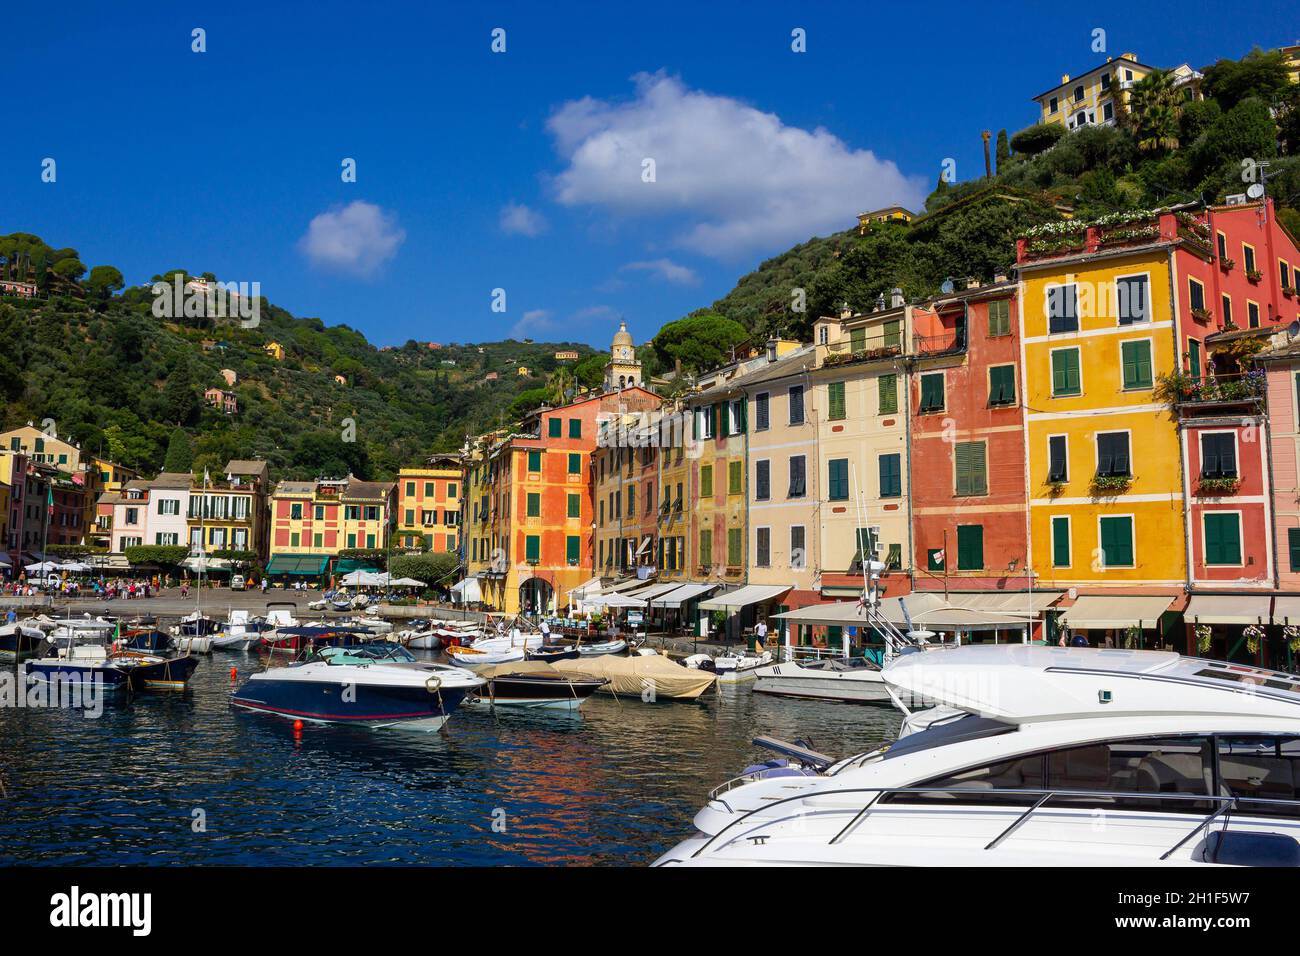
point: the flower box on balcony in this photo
(1216, 487)
(1202, 315)
(1055, 488)
(1106, 485)
(1254, 275)
(1288, 290)
(1226, 264)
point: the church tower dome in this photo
(623, 370)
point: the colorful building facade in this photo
(429, 505)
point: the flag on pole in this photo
(938, 557)
(49, 500)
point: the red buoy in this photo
(297, 726)
(234, 673)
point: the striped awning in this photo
(1100, 612)
(681, 594)
(304, 565)
(743, 597)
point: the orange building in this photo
(312, 521)
(428, 505)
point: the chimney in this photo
(999, 277)
(1129, 56)
(1065, 77)
(896, 300)
(845, 311)
(973, 282)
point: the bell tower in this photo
(623, 370)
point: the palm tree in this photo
(1153, 112)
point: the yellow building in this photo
(1104, 473)
(1099, 96)
(42, 447)
(428, 505)
(888, 214)
(275, 350)
(229, 511)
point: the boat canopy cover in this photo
(743, 597)
(307, 565)
(526, 668)
(681, 594)
(1099, 612)
(632, 675)
(1229, 609)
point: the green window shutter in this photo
(971, 468)
(1222, 539)
(1065, 372)
(695, 424)
(1117, 542)
(891, 482)
(1002, 385)
(999, 318)
(532, 549)
(575, 427)
(1194, 358)
(932, 560)
(838, 479)
(894, 333)
(575, 463)
(888, 394)
(932, 392)
(572, 549)
(970, 547)
(858, 340)
(1293, 545)
(534, 461)
(706, 549)
(1060, 542)
(835, 394)
(706, 481)
(1136, 361)
(554, 426)
(575, 506)
(735, 480)
(733, 547)
(719, 421)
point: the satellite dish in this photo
(947, 287)
(1255, 191)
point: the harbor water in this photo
(182, 778)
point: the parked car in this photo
(237, 582)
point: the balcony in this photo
(1116, 231)
(878, 344)
(1211, 393)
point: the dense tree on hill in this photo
(1260, 74)
(1034, 139)
(1153, 112)
(1003, 153)
(701, 341)
(180, 452)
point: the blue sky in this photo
(522, 170)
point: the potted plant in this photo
(1203, 634)
(1215, 487)
(1253, 633)
(1254, 275)
(1203, 315)
(1106, 485)
(1226, 264)
(1291, 634)
(1055, 487)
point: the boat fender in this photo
(433, 684)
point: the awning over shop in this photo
(1098, 612)
(681, 594)
(926, 611)
(466, 591)
(348, 565)
(743, 597)
(653, 590)
(624, 586)
(1228, 609)
(586, 588)
(1030, 604)
(611, 599)
(305, 565)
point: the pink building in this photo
(222, 400)
(1282, 366)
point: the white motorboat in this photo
(1036, 756)
(380, 685)
(602, 647)
(853, 679)
(736, 667)
(480, 656)
(21, 640)
(241, 632)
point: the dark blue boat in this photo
(19, 642)
(153, 642)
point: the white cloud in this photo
(533, 323)
(518, 220)
(356, 239)
(665, 269)
(742, 180)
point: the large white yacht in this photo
(1036, 756)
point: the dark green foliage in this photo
(161, 555)
(1259, 75)
(180, 452)
(1034, 139)
(1003, 153)
(434, 568)
(701, 341)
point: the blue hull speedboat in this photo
(19, 642)
(102, 674)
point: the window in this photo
(835, 401)
(410, 516)
(857, 340)
(1262, 767)
(1227, 308)
(575, 427)
(931, 392)
(631, 500)
(410, 489)
(704, 422)
(1060, 542)
(706, 549)
(1134, 300)
(1218, 455)
(318, 540)
(763, 547)
(1078, 93)
(575, 463)
(1053, 105)
(169, 506)
(1285, 272)
(894, 333)
(1063, 308)
(1194, 358)
(934, 559)
(891, 478)
(734, 547)
(837, 479)
(894, 557)
(1116, 539)
(575, 506)
(1058, 459)
(572, 549)
(1112, 455)
(762, 480)
(1222, 538)
(970, 547)
(295, 511)
(999, 318)
(1223, 246)
(706, 481)
(1108, 109)
(1252, 313)
(1135, 360)
(798, 477)
(535, 461)
(1065, 373)
(1293, 547)
(889, 394)
(1196, 295)
(735, 417)
(532, 548)
(796, 404)
(798, 559)
(1248, 257)
(428, 490)
(971, 467)
(760, 412)
(1002, 385)
(735, 477)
